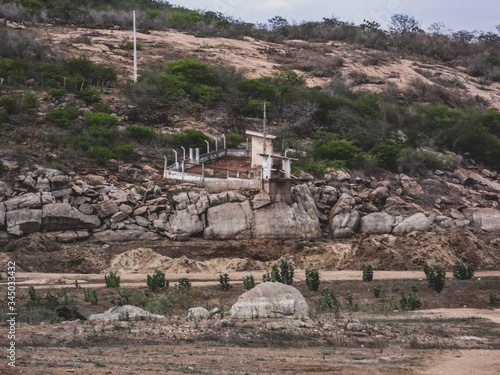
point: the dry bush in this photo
(22, 44)
(377, 58)
(108, 19)
(320, 67)
(17, 13)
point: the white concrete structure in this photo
(258, 146)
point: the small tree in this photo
(412, 302)
(233, 140)
(312, 279)
(248, 282)
(224, 281)
(157, 281)
(287, 272)
(436, 276)
(184, 284)
(113, 280)
(327, 302)
(122, 299)
(90, 295)
(367, 272)
(463, 271)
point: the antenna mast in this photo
(135, 51)
(264, 132)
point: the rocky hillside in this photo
(387, 139)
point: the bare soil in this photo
(259, 58)
(456, 332)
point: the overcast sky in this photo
(455, 14)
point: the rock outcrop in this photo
(270, 300)
(126, 312)
(96, 207)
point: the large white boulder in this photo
(270, 300)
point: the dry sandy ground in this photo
(181, 346)
(54, 280)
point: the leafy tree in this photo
(312, 279)
(277, 22)
(62, 117)
(101, 119)
(157, 281)
(191, 79)
(124, 152)
(436, 277)
(335, 150)
(191, 138)
(256, 89)
(140, 133)
(101, 154)
(402, 23)
(233, 140)
(463, 271)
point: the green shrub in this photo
(462, 271)
(101, 119)
(387, 154)
(157, 281)
(122, 299)
(191, 79)
(233, 140)
(367, 272)
(95, 136)
(327, 302)
(255, 88)
(312, 279)
(162, 306)
(56, 93)
(62, 117)
(89, 95)
(248, 282)
(184, 284)
(493, 298)
(376, 291)
(101, 154)
(4, 116)
(436, 276)
(113, 280)
(283, 274)
(9, 104)
(35, 298)
(191, 138)
(30, 100)
(224, 281)
(350, 305)
(124, 152)
(51, 301)
(130, 46)
(335, 150)
(101, 107)
(410, 303)
(90, 295)
(140, 133)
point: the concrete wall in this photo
(214, 183)
(258, 148)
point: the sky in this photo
(455, 14)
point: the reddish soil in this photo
(219, 168)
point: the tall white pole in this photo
(135, 51)
(264, 126)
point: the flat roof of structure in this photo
(259, 134)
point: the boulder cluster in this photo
(73, 207)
